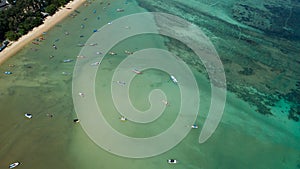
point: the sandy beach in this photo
(49, 22)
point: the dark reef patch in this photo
(294, 98)
(247, 71)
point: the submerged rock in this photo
(247, 71)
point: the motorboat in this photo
(76, 120)
(8, 73)
(172, 161)
(121, 83)
(174, 79)
(165, 102)
(112, 53)
(95, 64)
(128, 52)
(136, 71)
(194, 126)
(13, 165)
(93, 44)
(65, 73)
(28, 115)
(81, 94)
(81, 56)
(120, 10)
(123, 118)
(67, 60)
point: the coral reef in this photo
(276, 17)
(260, 68)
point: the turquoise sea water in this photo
(244, 138)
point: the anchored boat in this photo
(136, 71)
(28, 115)
(172, 161)
(13, 165)
(174, 79)
(194, 126)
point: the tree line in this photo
(21, 16)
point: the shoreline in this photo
(48, 23)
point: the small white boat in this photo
(8, 73)
(95, 64)
(123, 118)
(28, 115)
(112, 53)
(120, 10)
(194, 126)
(128, 52)
(174, 79)
(65, 73)
(81, 56)
(165, 102)
(67, 60)
(136, 71)
(76, 120)
(81, 94)
(172, 161)
(13, 165)
(93, 44)
(121, 83)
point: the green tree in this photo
(50, 9)
(3, 25)
(11, 35)
(24, 15)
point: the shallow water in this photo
(244, 138)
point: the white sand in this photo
(49, 22)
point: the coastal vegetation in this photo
(21, 16)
